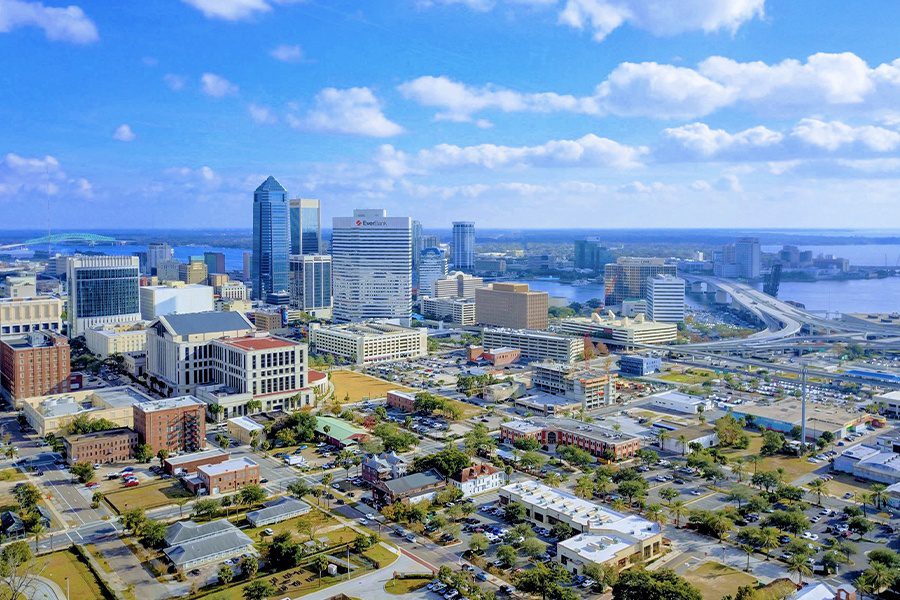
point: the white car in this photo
(809, 535)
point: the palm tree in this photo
(36, 530)
(768, 539)
(552, 479)
(748, 549)
(320, 563)
(662, 437)
(878, 495)
(654, 512)
(682, 439)
(877, 578)
(754, 460)
(584, 487)
(678, 509)
(618, 504)
(818, 487)
(843, 547)
(864, 499)
(798, 565)
(737, 467)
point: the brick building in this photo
(110, 446)
(228, 476)
(187, 464)
(173, 424)
(591, 437)
(34, 364)
(404, 401)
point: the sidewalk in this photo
(371, 586)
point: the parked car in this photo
(132, 483)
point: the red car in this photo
(92, 484)
(132, 483)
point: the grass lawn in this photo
(318, 518)
(147, 495)
(342, 535)
(380, 555)
(843, 483)
(756, 442)
(466, 410)
(360, 387)
(793, 466)
(65, 565)
(98, 556)
(715, 580)
(11, 474)
(775, 590)
(290, 584)
(405, 586)
(695, 377)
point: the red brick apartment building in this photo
(228, 476)
(173, 424)
(404, 401)
(591, 437)
(110, 446)
(34, 364)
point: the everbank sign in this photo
(365, 223)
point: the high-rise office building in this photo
(306, 226)
(665, 299)
(430, 241)
(417, 248)
(311, 284)
(457, 285)
(246, 270)
(193, 272)
(102, 289)
(169, 269)
(511, 305)
(590, 253)
(215, 262)
(747, 257)
(157, 252)
(372, 266)
(464, 245)
(271, 239)
(432, 266)
(626, 279)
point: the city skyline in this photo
(749, 113)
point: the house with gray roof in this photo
(190, 545)
(278, 510)
(410, 488)
(387, 465)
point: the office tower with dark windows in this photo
(626, 279)
(271, 239)
(102, 289)
(372, 267)
(157, 252)
(590, 253)
(306, 226)
(417, 248)
(215, 262)
(311, 284)
(432, 266)
(463, 245)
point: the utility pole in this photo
(803, 409)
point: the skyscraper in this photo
(665, 298)
(271, 239)
(417, 248)
(156, 253)
(311, 284)
(626, 279)
(747, 257)
(306, 226)
(432, 266)
(215, 262)
(372, 266)
(102, 289)
(464, 245)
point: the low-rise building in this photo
(817, 590)
(339, 432)
(117, 338)
(678, 438)
(34, 364)
(405, 401)
(49, 414)
(891, 402)
(478, 479)
(227, 476)
(632, 364)
(498, 357)
(679, 402)
(369, 342)
(175, 297)
(592, 389)
(595, 439)
(624, 332)
(458, 311)
(606, 537)
(277, 510)
(546, 405)
(380, 467)
(187, 464)
(409, 489)
(13, 527)
(190, 545)
(457, 285)
(784, 415)
(110, 446)
(870, 463)
(511, 305)
(535, 345)
(245, 430)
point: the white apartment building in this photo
(457, 285)
(458, 311)
(102, 289)
(665, 299)
(535, 345)
(175, 297)
(22, 315)
(478, 479)
(119, 338)
(231, 290)
(179, 354)
(620, 331)
(371, 342)
(372, 267)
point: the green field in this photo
(64, 566)
(147, 496)
(715, 580)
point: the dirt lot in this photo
(147, 495)
(715, 580)
(360, 387)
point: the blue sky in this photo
(512, 113)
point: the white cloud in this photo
(261, 114)
(354, 111)
(287, 53)
(700, 140)
(217, 86)
(175, 82)
(202, 176)
(639, 187)
(124, 133)
(835, 134)
(45, 176)
(230, 10)
(587, 151)
(68, 24)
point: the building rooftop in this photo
(246, 423)
(523, 427)
(338, 428)
(859, 452)
(409, 483)
(368, 328)
(195, 456)
(788, 411)
(189, 542)
(280, 507)
(73, 403)
(314, 376)
(34, 339)
(170, 403)
(475, 472)
(531, 333)
(383, 461)
(94, 435)
(678, 397)
(206, 322)
(233, 464)
(252, 343)
(536, 399)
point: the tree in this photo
(526, 443)
(632, 489)
(773, 442)
(133, 519)
(225, 574)
(207, 507)
(394, 438)
(143, 453)
(27, 495)
(648, 457)
(654, 513)
(767, 538)
(507, 555)
(678, 509)
(797, 564)
(532, 460)
(818, 487)
(533, 547)
(575, 455)
(545, 580)
(478, 543)
(878, 495)
(250, 566)
(514, 512)
(153, 534)
(448, 462)
(668, 494)
(298, 488)
(885, 557)
(832, 559)
(665, 584)
(320, 563)
(17, 568)
(553, 479)
(876, 579)
(478, 440)
(83, 471)
(766, 480)
(793, 521)
(859, 525)
(584, 487)
(252, 494)
(562, 530)
(260, 589)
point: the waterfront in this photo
(859, 255)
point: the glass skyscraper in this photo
(306, 226)
(311, 284)
(102, 290)
(464, 245)
(271, 239)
